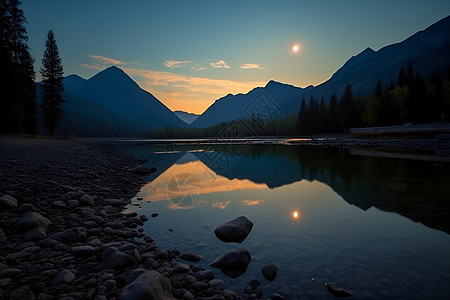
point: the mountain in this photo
(185, 116)
(427, 51)
(264, 102)
(111, 104)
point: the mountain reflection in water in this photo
(417, 190)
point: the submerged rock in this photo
(233, 263)
(234, 231)
(270, 271)
(336, 290)
(150, 285)
(275, 296)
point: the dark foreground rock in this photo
(234, 231)
(233, 263)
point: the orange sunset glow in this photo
(192, 179)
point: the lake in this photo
(379, 227)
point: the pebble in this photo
(8, 201)
(63, 277)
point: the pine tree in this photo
(409, 76)
(18, 108)
(401, 78)
(301, 120)
(379, 89)
(347, 108)
(52, 86)
(334, 114)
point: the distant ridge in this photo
(185, 116)
(427, 51)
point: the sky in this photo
(190, 53)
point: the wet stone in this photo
(234, 231)
(270, 271)
(336, 290)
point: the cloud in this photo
(93, 67)
(176, 63)
(221, 205)
(251, 202)
(197, 67)
(252, 66)
(220, 64)
(106, 60)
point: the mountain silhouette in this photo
(241, 106)
(426, 51)
(111, 104)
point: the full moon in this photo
(295, 48)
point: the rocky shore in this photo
(63, 234)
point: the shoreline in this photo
(67, 235)
(434, 148)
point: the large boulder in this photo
(233, 263)
(149, 286)
(234, 231)
(31, 220)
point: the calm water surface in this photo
(378, 227)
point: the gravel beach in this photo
(63, 234)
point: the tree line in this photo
(411, 100)
(18, 108)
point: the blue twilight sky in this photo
(190, 53)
